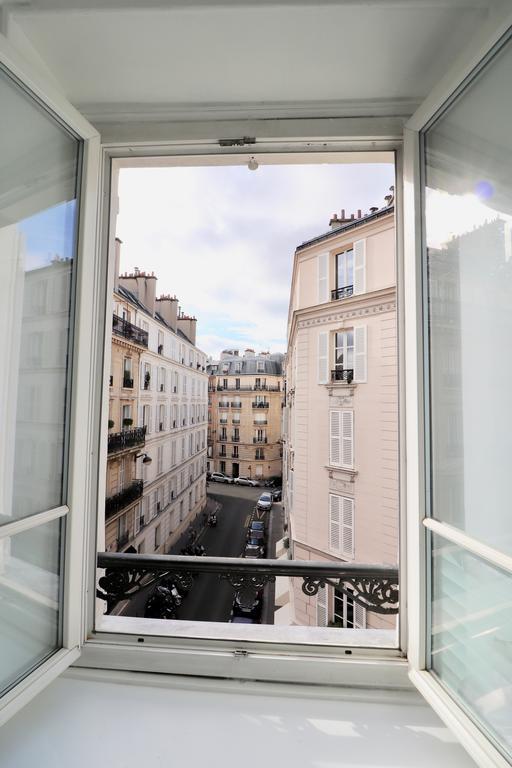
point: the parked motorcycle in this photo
(160, 604)
(212, 521)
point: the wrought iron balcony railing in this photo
(236, 404)
(123, 540)
(127, 382)
(343, 374)
(122, 327)
(342, 293)
(259, 439)
(261, 422)
(235, 438)
(373, 586)
(257, 404)
(119, 441)
(121, 500)
(248, 388)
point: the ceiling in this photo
(116, 58)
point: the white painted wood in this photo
(323, 357)
(322, 614)
(335, 444)
(360, 266)
(323, 277)
(347, 527)
(478, 548)
(26, 523)
(347, 439)
(360, 354)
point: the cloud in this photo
(222, 238)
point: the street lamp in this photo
(144, 456)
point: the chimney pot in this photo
(358, 213)
(342, 213)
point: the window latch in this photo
(238, 653)
(243, 142)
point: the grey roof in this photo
(346, 227)
(273, 366)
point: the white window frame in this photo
(419, 528)
(84, 401)
(101, 647)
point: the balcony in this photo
(224, 405)
(343, 374)
(342, 293)
(260, 422)
(375, 587)
(259, 439)
(260, 405)
(236, 404)
(235, 438)
(121, 500)
(248, 388)
(160, 349)
(127, 382)
(119, 441)
(127, 330)
(234, 455)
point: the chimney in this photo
(336, 223)
(249, 352)
(188, 326)
(142, 285)
(358, 213)
(167, 307)
(117, 261)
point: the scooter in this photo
(212, 521)
(161, 604)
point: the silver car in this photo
(265, 501)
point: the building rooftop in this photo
(129, 296)
(352, 224)
(231, 365)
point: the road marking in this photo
(247, 520)
(260, 514)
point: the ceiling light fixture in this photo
(252, 164)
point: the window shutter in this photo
(323, 357)
(335, 503)
(360, 266)
(347, 527)
(360, 355)
(335, 422)
(347, 439)
(359, 616)
(323, 278)
(321, 607)
(150, 426)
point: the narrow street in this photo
(211, 597)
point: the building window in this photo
(147, 376)
(344, 355)
(341, 439)
(223, 467)
(127, 373)
(341, 525)
(345, 273)
(126, 417)
(347, 613)
(260, 366)
(157, 536)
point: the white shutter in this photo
(347, 439)
(360, 266)
(323, 357)
(323, 278)
(347, 526)
(321, 607)
(360, 355)
(359, 616)
(335, 504)
(136, 520)
(335, 421)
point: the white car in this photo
(241, 480)
(219, 477)
(265, 501)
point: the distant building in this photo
(341, 416)
(156, 470)
(245, 394)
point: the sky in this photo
(222, 238)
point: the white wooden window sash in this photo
(322, 612)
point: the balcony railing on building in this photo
(127, 382)
(119, 501)
(224, 405)
(262, 422)
(122, 327)
(257, 404)
(259, 455)
(248, 388)
(235, 438)
(259, 439)
(343, 374)
(223, 438)
(375, 587)
(236, 404)
(119, 441)
(342, 293)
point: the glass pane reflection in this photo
(29, 599)
(472, 634)
(38, 221)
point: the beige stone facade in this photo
(341, 416)
(245, 395)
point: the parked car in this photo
(220, 477)
(277, 494)
(243, 620)
(253, 551)
(242, 480)
(265, 501)
(253, 613)
(255, 533)
(258, 525)
(252, 542)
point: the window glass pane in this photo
(468, 201)
(472, 635)
(38, 218)
(29, 599)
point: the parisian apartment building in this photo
(156, 467)
(341, 416)
(245, 396)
